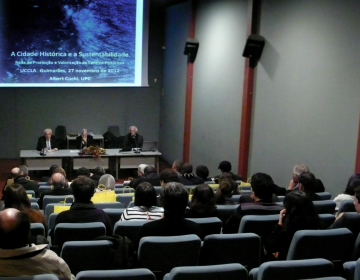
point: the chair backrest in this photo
(326, 220)
(60, 132)
(114, 129)
(157, 189)
(37, 229)
(166, 252)
(242, 248)
(330, 244)
(34, 277)
(35, 206)
(232, 271)
(123, 274)
(131, 204)
(324, 206)
(33, 199)
(43, 188)
(357, 270)
(88, 255)
(324, 195)
(119, 185)
(103, 205)
(129, 228)
(295, 269)
(77, 232)
(261, 225)
(114, 214)
(347, 206)
(51, 222)
(280, 198)
(125, 198)
(236, 198)
(225, 211)
(49, 209)
(208, 226)
(56, 199)
(31, 192)
(121, 190)
(356, 250)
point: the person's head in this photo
(58, 181)
(15, 172)
(307, 182)
(297, 170)
(353, 183)
(52, 168)
(133, 130)
(167, 176)
(262, 186)
(140, 170)
(60, 170)
(300, 212)
(225, 190)
(202, 171)
(24, 170)
(83, 171)
(145, 195)
(83, 189)
(99, 170)
(357, 199)
(15, 196)
(47, 133)
(84, 133)
(175, 198)
(177, 164)
(149, 169)
(225, 166)
(186, 168)
(203, 199)
(14, 229)
(108, 181)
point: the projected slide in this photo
(71, 43)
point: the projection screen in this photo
(73, 43)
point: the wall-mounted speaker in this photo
(191, 47)
(254, 46)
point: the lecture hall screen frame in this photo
(73, 43)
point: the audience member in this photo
(175, 199)
(299, 214)
(150, 176)
(98, 172)
(202, 203)
(106, 182)
(83, 171)
(20, 178)
(16, 197)
(354, 182)
(84, 140)
(307, 185)
(187, 177)
(225, 192)
(133, 139)
(48, 141)
(176, 166)
(167, 176)
(59, 187)
(140, 170)
(18, 258)
(203, 172)
(145, 205)
(294, 183)
(58, 170)
(225, 166)
(83, 210)
(346, 219)
(262, 188)
(51, 171)
(24, 171)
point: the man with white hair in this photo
(20, 178)
(133, 139)
(84, 140)
(48, 141)
(294, 183)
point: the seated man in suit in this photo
(20, 178)
(18, 257)
(150, 176)
(133, 139)
(263, 188)
(48, 141)
(60, 187)
(188, 178)
(175, 199)
(84, 140)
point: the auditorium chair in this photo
(114, 205)
(114, 214)
(37, 229)
(57, 199)
(356, 250)
(34, 277)
(326, 220)
(35, 206)
(31, 192)
(225, 211)
(292, 270)
(49, 209)
(352, 270)
(242, 248)
(231, 271)
(347, 206)
(125, 198)
(324, 206)
(131, 204)
(77, 232)
(51, 222)
(324, 195)
(60, 135)
(88, 255)
(123, 274)
(160, 254)
(208, 226)
(121, 190)
(261, 225)
(129, 228)
(43, 188)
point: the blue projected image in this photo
(70, 42)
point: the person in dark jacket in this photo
(188, 178)
(225, 166)
(307, 184)
(20, 178)
(202, 203)
(150, 176)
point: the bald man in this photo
(20, 178)
(17, 257)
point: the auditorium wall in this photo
(27, 111)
